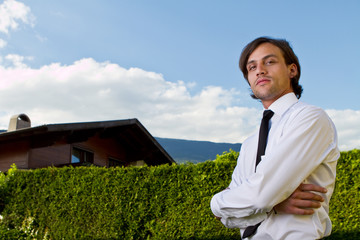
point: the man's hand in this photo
(302, 201)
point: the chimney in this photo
(19, 121)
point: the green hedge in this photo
(164, 202)
(345, 202)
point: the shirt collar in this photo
(281, 105)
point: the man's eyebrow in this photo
(266, 57)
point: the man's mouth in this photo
(262, 81)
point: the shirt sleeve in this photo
(307, 139)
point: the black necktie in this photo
(263, 134)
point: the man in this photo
(281, 194)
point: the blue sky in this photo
(172, 64)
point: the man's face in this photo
(268, 75)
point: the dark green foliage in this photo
(11, 234)
(227, 156)
(345, 203)
(164, 202)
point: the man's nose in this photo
(261, 70)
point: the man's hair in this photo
(288, 55)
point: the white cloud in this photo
(88, 90)
(92, 91)
(11, 13)
(41, 38)
(16, 61)
(347, 123)
(3, 43)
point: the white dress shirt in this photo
(301, 148)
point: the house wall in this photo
(57, 154)
(103, 149)
(24, 157)
(60, 152)
(16, 152)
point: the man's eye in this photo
(269, 62)
(251, 67)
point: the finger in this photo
(290, 208)
(312, 187)
(299, 203)
(307, 196)
(302, 211)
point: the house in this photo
(105, 143)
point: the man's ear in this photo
(293, 71)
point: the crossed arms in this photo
(302, 201)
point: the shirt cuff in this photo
(215, 207)
(235, 222)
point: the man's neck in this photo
(267, 103)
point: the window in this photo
(81, 156)
(116, 163)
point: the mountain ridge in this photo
(195, 151)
